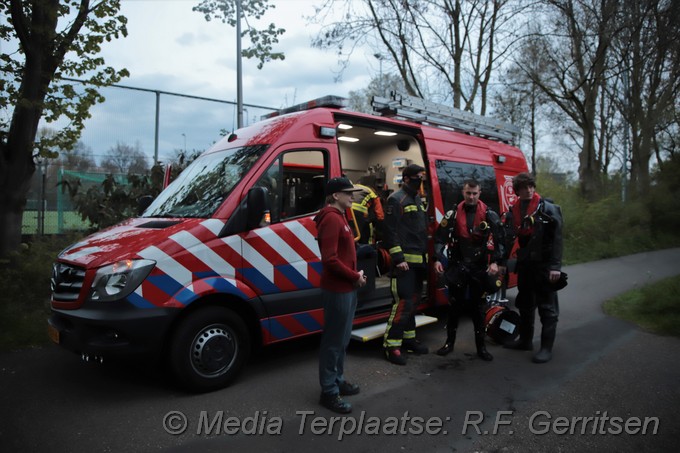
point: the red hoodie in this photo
(338, 253)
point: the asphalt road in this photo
(606, 375)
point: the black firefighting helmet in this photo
(556, 285)
(492, 283)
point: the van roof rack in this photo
(421, 111)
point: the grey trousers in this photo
(338, 314)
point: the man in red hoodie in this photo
(339, 282)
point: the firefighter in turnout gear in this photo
(475, 245)
(369, 214)
(405, 231)
(538, 225)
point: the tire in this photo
(208, 349)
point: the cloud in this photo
(173, 49)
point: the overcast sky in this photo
(171, 48)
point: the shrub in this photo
(24, 300)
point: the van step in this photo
(372, 332)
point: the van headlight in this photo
(118, 280)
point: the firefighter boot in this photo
(526, 333)
(395, 356)
(547, 341)
(481, 347)
(448, 346)
(451, 330)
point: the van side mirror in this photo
(257, 207)
(254, 208)
(143, 202)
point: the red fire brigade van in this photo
(225, 259)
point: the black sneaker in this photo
(446, 349)
(415, 347)
(335, 403)
(347, 388)
(394, 355)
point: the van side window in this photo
(295, 182)
(451, 176)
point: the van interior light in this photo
(348, 139)
(385, 133)
(344, 126)
(328, 132)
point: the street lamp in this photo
(380, 58)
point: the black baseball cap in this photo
(340, 184)
(412, 170)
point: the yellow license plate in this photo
(53, 333)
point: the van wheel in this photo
(208, 349)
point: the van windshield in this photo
(202, 187)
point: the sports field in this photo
(71, 221)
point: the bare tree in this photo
(80, 158)
(569, 63)
(443, 49)
(360, 100)
(649, 56)
(125, 159)
(520, 102)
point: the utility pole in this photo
(239, 69)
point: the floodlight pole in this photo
(155, 138)
(239, 70)
(380, 80)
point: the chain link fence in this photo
(49, 207)
(160, 124)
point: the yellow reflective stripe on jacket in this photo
(395, 249)
(360, 208)
(367, 199)
(369, 194)
(411, 208)
(411, 258)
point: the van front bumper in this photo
(114, 328)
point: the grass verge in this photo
(654, 307)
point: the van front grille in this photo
(66, 282)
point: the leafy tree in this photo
(262, 40)
(54, 39)
(114, 199)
